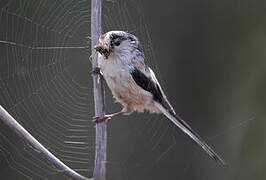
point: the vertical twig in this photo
(100, 140)
(13, 124)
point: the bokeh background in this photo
(208, 55)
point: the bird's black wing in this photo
(150, 84)
(147, 84)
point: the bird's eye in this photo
(116, 41)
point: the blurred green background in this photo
(208, 55)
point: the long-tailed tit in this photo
(133, 83)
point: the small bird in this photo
(133, 83)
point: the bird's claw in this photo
(98, 119)
(96, 70)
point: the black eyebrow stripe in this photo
(115, 36)
(131, 38)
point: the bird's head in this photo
(117, 43)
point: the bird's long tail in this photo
(190, 132)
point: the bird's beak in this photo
(103, 49)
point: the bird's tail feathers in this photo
(179, 122)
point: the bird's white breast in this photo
(116, 74)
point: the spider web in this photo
(46, 86)
(39, 85)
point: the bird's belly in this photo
(124, 88)
(127, 92)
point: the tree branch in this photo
(13, 124)
(100, 139)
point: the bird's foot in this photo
(98, 119)
(96, 70)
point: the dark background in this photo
(208, 55)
